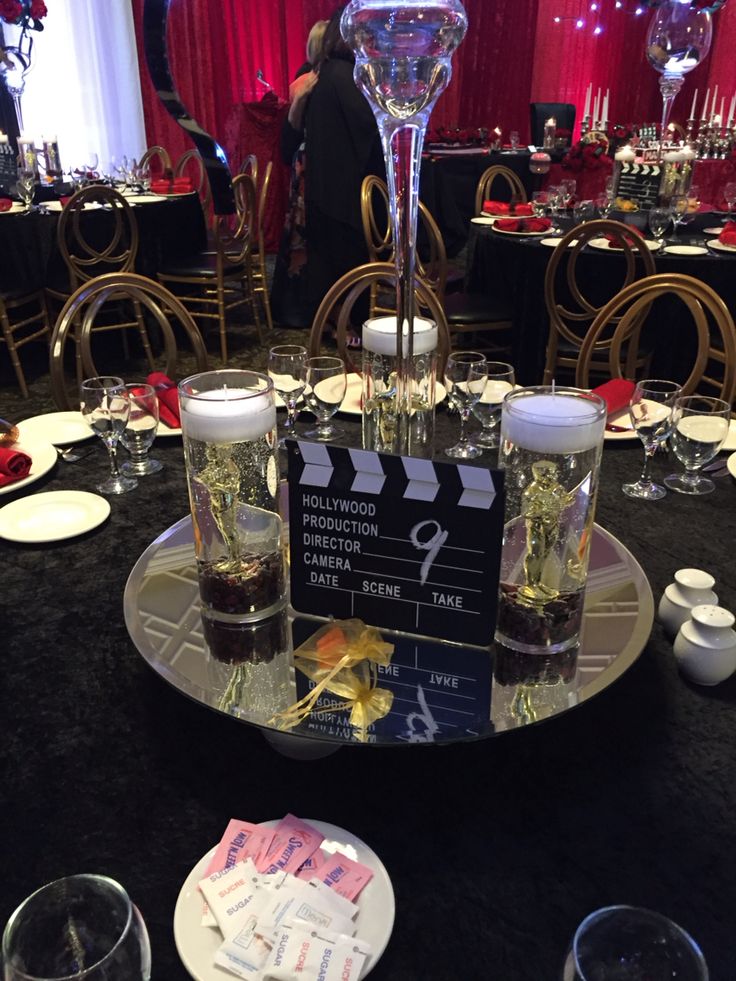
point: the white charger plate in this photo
(503, 231)
(552, 243)
(14, 209)
(715, 230)
(53, 516)
(354, 392)
(730, 442)
(721, 246)
(59, 428)
(43, 456)
(164, 430)
(731, 464)
(197, 944)
(483, 220)
(621, 418)
(686, 250)
(144, 198)
(605, 246)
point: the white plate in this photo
(605, 245)
(59, 428)
(686, 250)
(483, 220)
(730, 443)
(552, 243)
(715, 230)
(621, 418)
(14, 209)
(43, 455)
(354, 392)
(731, 464)
(721, 246)
(164, 430)
(52, 516)
(197, 944)
(144, 198)
(503, 231)
(58, 206)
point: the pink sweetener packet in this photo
(309, 868)
(293, 843)
(259, 844)
(344, 875)
(230, 847)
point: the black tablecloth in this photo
(515, 266)
(496, 849)
(30, 258)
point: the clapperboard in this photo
(402, 543)
(8, 166)
(640, 183)
(440, 692)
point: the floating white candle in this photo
(560, 422)
(626, 154)
(228, 415)
(379, 336)
(3, 138)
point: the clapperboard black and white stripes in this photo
(640, 183)
(402, 543)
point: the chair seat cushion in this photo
(203, 264)
(471, 309)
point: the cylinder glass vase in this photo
(228, 421)
(551, 443)
(381, 402)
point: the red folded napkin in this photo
(633, 237)
(523, 210)
(508, 225)
(497, 207)
(161, 187)
(616, 393)
(14, 465)
(728, 235)
(65, 200)
(523, 224)
(168, 399)
(5, 204)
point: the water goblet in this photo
(569, 186)
(465, 380)
(514, 139)
(627, 943)
(105, 405)
(555, 200)
(140, 431)
(92, 164)
(81, 928)
(287, 369)
(324, 393)
(659, 220)
(682, 211)
(487, 410)
(651, 411)
(700, 430)
(729, 196)
(610, 186)
(26, 188)
(539, 203)
(604, 204)
(582, 212)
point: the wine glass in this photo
(92, 164)
(514, 139)
(729, 196)
(555, 200)
(539, 203)
(324, 393)
(105, 405)
(582, 212)
(140, 431)
(659, 221)
(569, 186)
(604, 204)
(627, 943)
(465, 380)
(81, 928)
(287, 369)
(651, 411)
(26, 187)
(700, 430)
(487, 410)
(681, 213)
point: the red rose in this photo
(38, 9)
(10, 10)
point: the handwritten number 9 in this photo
(430, 545)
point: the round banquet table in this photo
(168, 228)
(515, 266)
(496, 848)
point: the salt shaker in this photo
(705, 646)
(692, 587)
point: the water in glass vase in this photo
(238, 532)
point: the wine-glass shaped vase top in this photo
(403, 62)
(678, 40)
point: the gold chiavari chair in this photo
(222, 277)
(714, 364)
(259, 278)
(250, 166)
(569, 307)
(487, 179)
(157, 159)
(338, 302)
(83, 308)
(92, 245)
(190, 164)
(32, 324)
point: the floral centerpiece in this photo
(26, 14)
(590, 155)
(16, 51)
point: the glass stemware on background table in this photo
(140, 431)
(500, 380)
(651, 410)
(700, 428)
(465, 380)
(81, 928)
(105, 405)
(287, 368)
(325, 390)
(659, 222)
(627, 943)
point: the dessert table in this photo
(496, 848)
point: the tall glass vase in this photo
(16, 50)
(403, 53)
(678, 40)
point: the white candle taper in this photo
(713, 106)
(723, 106)
(588, 93)
(705, 104)
(692, 111)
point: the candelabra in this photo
(585, 126)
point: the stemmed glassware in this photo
(651, 410)
(681, 213)
(627, 943)
(81, 928)
(324, 393)
(568, 186)
(140, 431)
(700, 430)
(659, 222)
(514, 139)
(500, 381)
(555, 201)
(287, 368)
(465, 380)
(582, 212)
(105, 405)
(26, 187)
(604, 204)
(729, 196)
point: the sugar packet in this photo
(233, 895)
(297, 903)
(240, 840)
(245, 953)
(314, 956)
